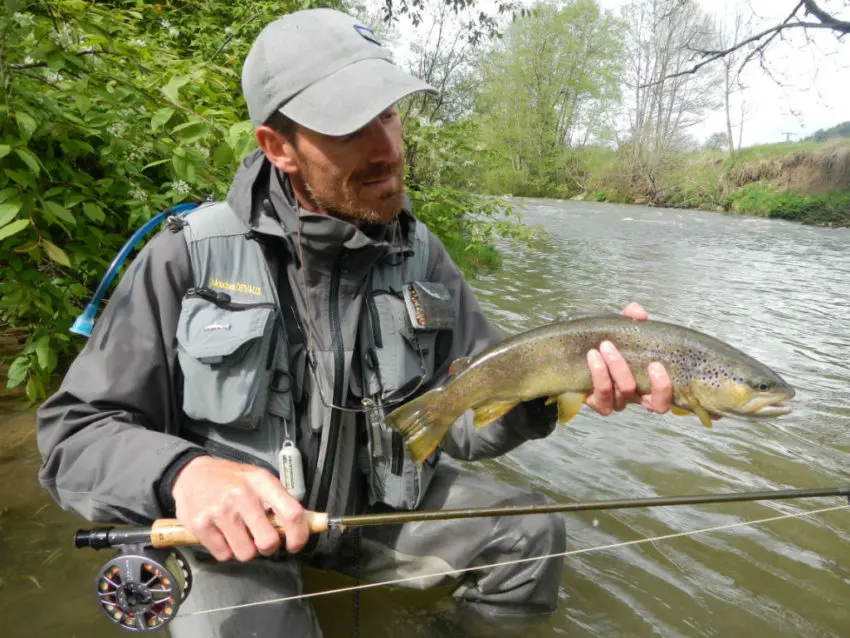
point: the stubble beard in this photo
(341, 200)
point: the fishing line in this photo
(573, 552)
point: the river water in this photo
(777, 290)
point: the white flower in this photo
(138, 43)
(65, 37)
(29, 60)
(24, 19)
(181, 188)
(165, 24)
(116, 129)
(228, 30)
(53, 77)
(138, 193)
(173, 32)
(201, 150)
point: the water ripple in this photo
(775, 289)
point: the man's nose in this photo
(384, 142)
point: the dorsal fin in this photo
(585, 314)
(459, 365)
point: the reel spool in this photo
(141, 589)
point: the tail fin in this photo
(422, 424)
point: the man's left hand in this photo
(614, 384)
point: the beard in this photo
(352, 199)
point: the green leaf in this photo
(93, 212)
(9, 210)
(5, 149)
(42, 352)
(18, 371)
(223, 155)
(156, 163)
(72, 199)
(184, 169)
(55, 253)
(30, 160)
(26, 124)
(172, 88)
(58, 211)
(13, 228)
(189, 132)
(161, 117)
(24, 179)
(35, 392)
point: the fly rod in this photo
(172, 533)
(142, 587)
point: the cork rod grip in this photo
(170, 532)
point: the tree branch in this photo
(825, 21)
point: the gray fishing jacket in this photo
(114, 434)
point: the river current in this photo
(777, 290)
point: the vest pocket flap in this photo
(211, 333)
(227, 354)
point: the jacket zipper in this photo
(339, 371)
(221, 450)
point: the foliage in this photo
(822, 135)
(543, 84)
(110, 112)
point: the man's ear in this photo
(279, 150)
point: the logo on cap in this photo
(367, 34)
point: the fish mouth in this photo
(760, 409)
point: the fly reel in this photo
(142, 588)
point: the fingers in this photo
(602, 398)
(635, 311)
(613, 382)
(236, 527)
(660, 397)
(290, 511)
(224, 504)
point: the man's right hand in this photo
(225, 505)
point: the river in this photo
(776, 289)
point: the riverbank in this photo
(807, 182)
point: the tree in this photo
(661, 102)
(730, 30)
(805, 15)
(542, 85)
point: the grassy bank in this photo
(804, 182)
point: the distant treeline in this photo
(822, 135)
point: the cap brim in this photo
(347, 100)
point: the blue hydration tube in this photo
(84, 323)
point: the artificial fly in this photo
(142, 588)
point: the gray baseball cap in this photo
(324, 70)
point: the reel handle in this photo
(170, 532)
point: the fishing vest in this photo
(233, 349)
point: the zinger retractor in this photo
(142, 588)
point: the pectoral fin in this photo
(569, 404)
(679, 411)
(486, 414)
(704, 416)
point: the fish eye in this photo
(762, 385)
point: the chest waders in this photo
(233, 350)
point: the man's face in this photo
(358, 177)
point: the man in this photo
(159, 416)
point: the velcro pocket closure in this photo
(227, 353)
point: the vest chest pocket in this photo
(227, 353)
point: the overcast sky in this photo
(815, 76)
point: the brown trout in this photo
(710, 378)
